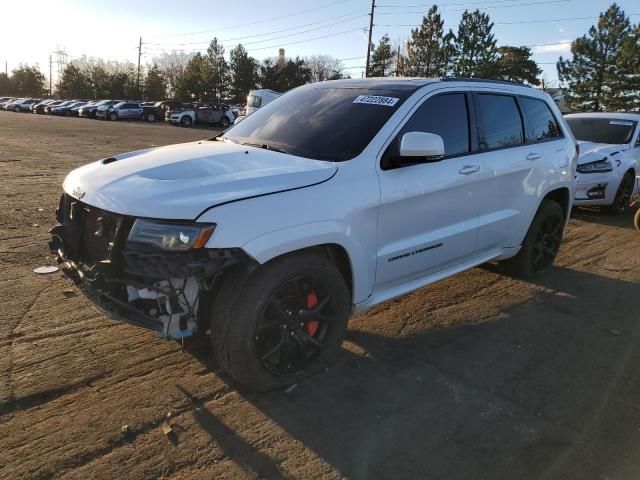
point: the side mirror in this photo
(428, 146)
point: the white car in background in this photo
(607, 173)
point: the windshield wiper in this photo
(264, 146)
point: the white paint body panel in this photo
(269, 204)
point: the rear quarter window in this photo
(541, 123)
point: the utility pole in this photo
(373, 7)
(398, 59)
(50, 74)
(6, 68)
(139, 55)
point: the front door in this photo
(429, 212)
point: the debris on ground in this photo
(291, 388)
(615, 332)
(69, 293)
(45, 269)
(125, 430)
(166, 429)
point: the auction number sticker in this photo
(376, 100)
(621, 122)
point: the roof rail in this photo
(481, 80)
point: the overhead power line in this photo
(269, 33)
(549, 20)
(511, 5)
(253, 23)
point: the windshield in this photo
(320, 123)
(254, 101)
(602, 130)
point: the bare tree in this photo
(324, 67)
(173, 66)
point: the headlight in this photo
(171, 236)
(595, 167)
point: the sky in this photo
(112, 29)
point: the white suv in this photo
(333, 198)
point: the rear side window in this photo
(541, 122)
(501, 121)
(445, 115)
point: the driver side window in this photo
(446, 115)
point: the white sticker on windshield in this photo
(621, 122)
(376, 100)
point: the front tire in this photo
(17, 109)
(224, 123)
(186, 121)
(541, 244)
(113, 116)
(150, 118)
(282, 324)
(623, 195)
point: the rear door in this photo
(429, 211)
(516, 170)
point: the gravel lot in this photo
(477, 377)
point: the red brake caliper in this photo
(312, 325)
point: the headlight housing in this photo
(598, 166)
(171, 236)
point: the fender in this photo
(271, 245)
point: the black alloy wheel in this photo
(294, 325)
(623, 195)
(547, 243)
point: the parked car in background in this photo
(23, 105)
(204, 114)
(121, 111)
(49, 108)
(39, 107)
(5, 105)
(271, 235)
(66, 110)
(608, 167)
(176, 108)
(157, 111)
(5, 100)
(89, 111)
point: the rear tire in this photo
(113, 116)
(623, 195)
(224, 123)
(151, 118)
(540, 245)
(266, 334)
(17, 109)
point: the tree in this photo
(428, 50)
(474, 48)
(594, 78)
(215, 72)
(189, 85)
(6, 85)
(243, 71)
(515, 64)
(629, 71)
(28, 81)
(381, 63)
(293, 74)
(173, 66)
(324, 67)
(73, 83)
(155, 85)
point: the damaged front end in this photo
(160, 287)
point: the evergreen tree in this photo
(628, 80)
(381, 63)
(189, 85)
(428, 49)
(293, 74)
(73, 83)
(6, 85)
(155, 85)
(474, 53)
(516, 65)
(593, 76)
(243, 72)
(215, 72)
(28, 81)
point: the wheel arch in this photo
(562, 196)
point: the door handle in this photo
(469, 169)
(534, 156)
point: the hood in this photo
(180, 181)
(592, 152)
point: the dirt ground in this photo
(477, 377)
